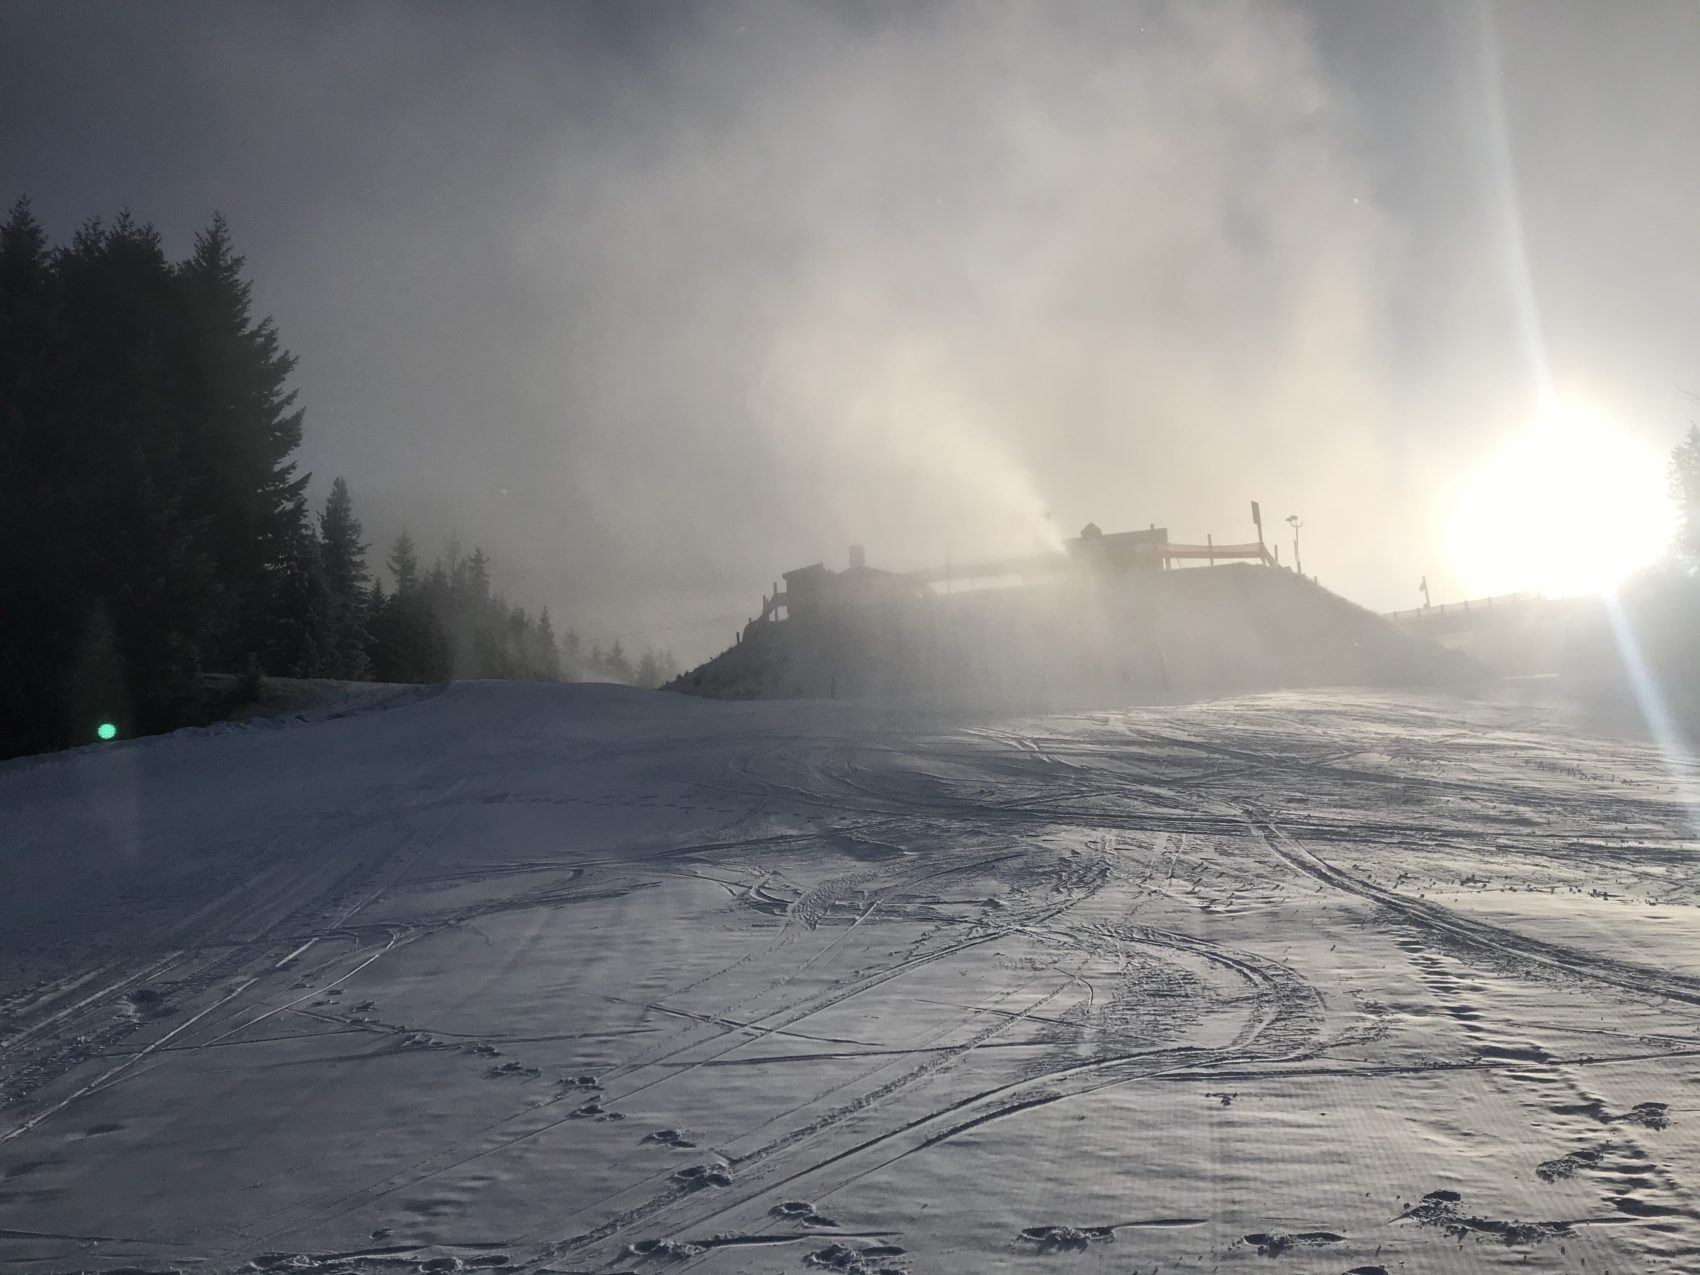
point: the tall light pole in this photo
(1295, 524)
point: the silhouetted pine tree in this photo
(655, 668)
(1685, 486)
(121, 543)
(409, 642)
(546, 655)
(31, 557)
(573, 658)
(344, 558)
(242, 427)
(477, 580)
(151, 518)
(616, 664)
(487, 636)
(404, 564)
(648, 673)
(299, 624)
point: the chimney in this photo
(858, 557)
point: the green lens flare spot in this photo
(106, 730)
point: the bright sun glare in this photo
(1570, 505)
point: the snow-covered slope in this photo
(588, 979)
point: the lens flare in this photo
(1570, 505)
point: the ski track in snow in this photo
(584, 979)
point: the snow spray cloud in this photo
(966, 276)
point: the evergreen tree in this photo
(477, 579)
(26, 295)
(243, 428)
(655, 669)
(404, 564)
(344, 558)
(31, 522)
(516, 661)
(572, 656)
(1685, 486)
(298, 620)
(547, 657)
(409, 643)
(616, 665)
(151, 518)
(453, 564)
(112, 470)
(436, 583)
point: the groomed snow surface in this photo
(588, 979)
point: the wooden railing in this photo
(1502, 601)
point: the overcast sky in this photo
(658, 301)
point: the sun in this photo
(1569, 505)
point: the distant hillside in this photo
(1138, 638)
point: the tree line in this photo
(1685, 491)
(448, 621)
(154, 526)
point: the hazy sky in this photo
(658, 301)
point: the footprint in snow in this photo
(1444, 1209)
(668, 1138)
(801, 1211)
(703, 1175)
(856, 1261)
(1565, 1166)
(675, 1249)
(1053, 1239)
(1650, 1115)
(150, 1002)
(1275, 1245)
